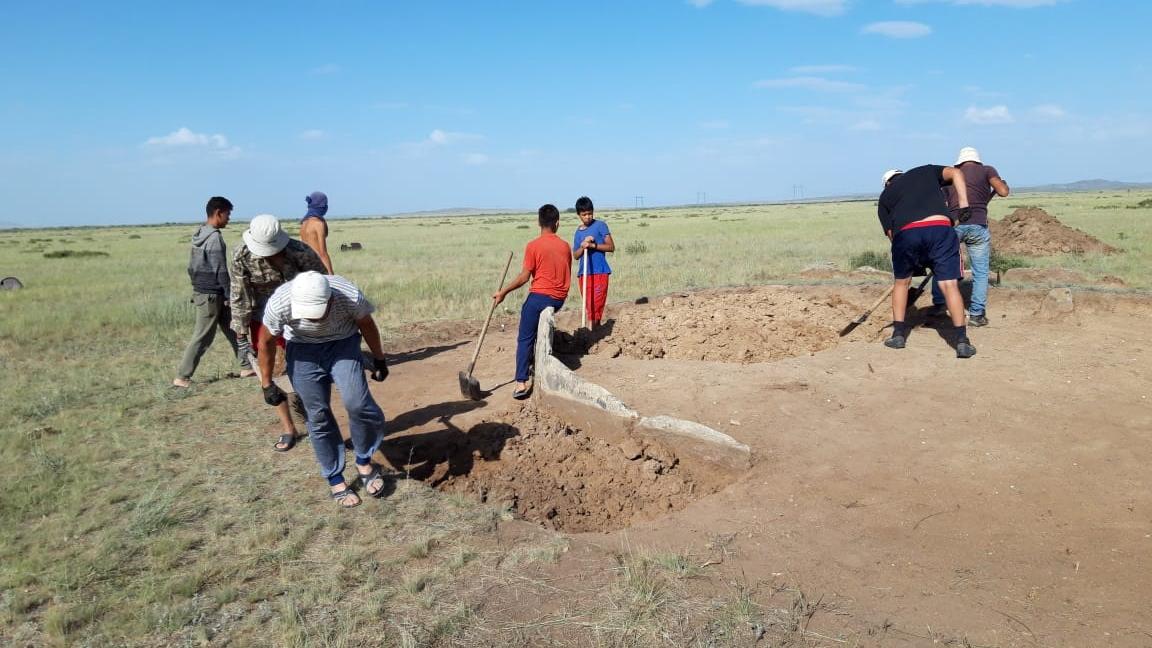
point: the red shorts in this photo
(258, 332)
(598, 289)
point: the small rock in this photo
(632, 449)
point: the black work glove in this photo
(964, 214)
(379, 369)
(273, 395)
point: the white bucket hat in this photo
(968, 154)
(264, 236)
(889, 174)
(310, 294)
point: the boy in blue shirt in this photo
(594, 239)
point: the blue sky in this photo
(136, 112)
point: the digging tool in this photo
(584, 290)
(469, 386)
(913, 295)
(864, 316)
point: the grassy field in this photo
(136, 514)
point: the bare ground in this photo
(902, 497)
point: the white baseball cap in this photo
(310, 294)
(264, 236)
(891, 173)
(968, 154)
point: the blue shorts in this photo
(933, 246)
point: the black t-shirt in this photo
(911, 196)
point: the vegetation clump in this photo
(64, 254)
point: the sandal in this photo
(521, 394)
(342, 496)
(365, 480)
(286, 440)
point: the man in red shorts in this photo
(914, 214)
(268, 259)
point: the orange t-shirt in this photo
(549, 259)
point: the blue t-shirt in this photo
(597, 260)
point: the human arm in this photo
(524, 277)
(955, 177)
(371, 335)
(239, 298)
(314, 234)
(999, 186)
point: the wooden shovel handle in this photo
(488, 320)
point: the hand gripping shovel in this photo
(913, 295)
(469, 386)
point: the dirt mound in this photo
(752, 325)
(562, 478)
(1058, 277)
(1031, 231)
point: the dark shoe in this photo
(285, 440)
(964, 349)
(978, 320)
(373, 477)
(895, 342)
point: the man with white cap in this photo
(268, 259)
(912, 211)
(323, 318)
(983, 183)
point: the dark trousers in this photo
(211, 314)
(529, 321)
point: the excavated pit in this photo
(558, 476)
(745, 325)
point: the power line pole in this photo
(639, 201)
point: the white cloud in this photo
(818, 7)
(897, 29)
(441, 137)
(313, 134)
(821, 69)
(328, 69)
(809, 83)
(990, 115)
(183, 139)
(714, 124)
(1048, 112)
(474, 159)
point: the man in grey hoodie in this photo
(208, 269)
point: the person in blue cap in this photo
(314, 229)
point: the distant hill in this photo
(1087, 185)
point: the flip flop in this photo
(521, 394)
(342, 495)
(288, 440)
(365, 480)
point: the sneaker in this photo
(937, 310)
(978, 320)
(895, 342)
(964, 349)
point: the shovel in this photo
(469, 386)
(584, 290)
(913, 295)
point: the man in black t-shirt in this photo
(914, 214)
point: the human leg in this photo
(978, 241)
(223, 321)
(943, 252)
(534, 304)
(202, 335)
(313, 383)
(365, 418)
(599, 298)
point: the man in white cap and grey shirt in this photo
(268, 259)
(323, 318)
(984, 183)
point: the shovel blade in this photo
(852, 325)
(470, 387)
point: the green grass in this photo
(137, 514)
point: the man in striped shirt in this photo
(322, 318)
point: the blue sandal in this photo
(342, 495)
(365, 480)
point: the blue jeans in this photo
(979, 244)
(313, 368)
(529, 321)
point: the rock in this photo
(1057, 304)
(660, 453)
(632, 449)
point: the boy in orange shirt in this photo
(548, 263)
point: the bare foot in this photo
(182, 383)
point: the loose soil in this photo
(1031, 231)
(999, 501)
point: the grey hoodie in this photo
(208, 262)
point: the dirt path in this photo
(1004, 499)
